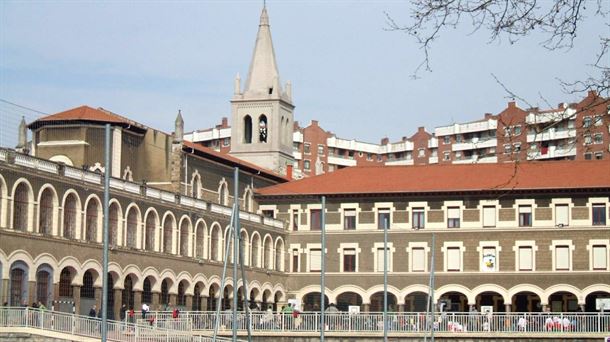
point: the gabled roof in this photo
(551, 175)
(87, 114)
(227, 159)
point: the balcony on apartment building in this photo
(552, 133)
(475, 158)
(475, 143)
(353, 145)
(552, 152)
(477, 126)
(341, 160)
(552, 116)
(209, 134)
(433, 143)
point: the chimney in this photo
(224, 122)
(421, 129)
(314, 123)
(385, 141)
(488, 115)
(289, 171)
(512, 104)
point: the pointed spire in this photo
(263, 67)
(179, 129)
(237, 85)
(22, 136)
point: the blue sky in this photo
(147, 59)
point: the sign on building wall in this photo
(488, 262)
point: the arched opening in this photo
(184, 238)
(132, 228)
(113, 223)
(44, 288)
(377, 302)
(453, 302)
(243, 248)
(91, 221)
(223, 194)
(240, 298)
(151, 225)
(196, 186)
(147, 291)
(18, 291)
(247, 129)
(312, 301)
(253, 304)
(563, 301)
(256, 245)
(168, 230)
(248, 200)
(416, 302)
(276, 299)
(87, 292)
(279, 251)
(526, 302)
(181, 298)
(164, 300)
(212, 297)
(199, 239)
(493, 299)
(197, 297)
(594, 301)
(268, 253)
(347, 299)
(128, 297)
(70, 214)
(65, 283)
(215, 242)
(46, 215)
(111, 299)
(262, 128)
(227, 297)
(21, 207)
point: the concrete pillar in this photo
(31, 293)
(471, 307)
(118, 301)
(154, 306)
(401, 308)
(137, 300)
(366, 307)
(76, 298)
(507, 308)
(545, 307)
(204, 303)
(172, 300)
(189, 302)
(582, 306)
(4, 290)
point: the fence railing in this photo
(124, 331)
(566, 323)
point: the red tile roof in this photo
(86, 113)
(450, 178)
(228, 159)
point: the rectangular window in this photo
(562, 258)
(315, 260)
(446, 139)
(295, 260)
(525, 258)
(600, 257)
(598, 138)
(561, 215)
(446, 155)
(599, 155)
(295, 220)
(421, 153)
(453, 217)
(454, 259)
(226, 141)
(349, 260)
(525, 216)
(588, 155)
(269, 213)
(586, 122)
(383, 219)
(599, 214)
(508, 148)
(320, 150)
(418, 259)
(349, 219)
(307, 148)
(588, 139)
(489, 216)
(315, 219)
(306, 165)
(380, 259)
(418, 218)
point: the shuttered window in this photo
(561, 215)
(315, 260)
(453, 217)
(380, 260)
(600, 257)
(418, 259)
(454, 259)
(525, 258)
(489, 216)
(562, 257)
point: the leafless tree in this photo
(557, 20)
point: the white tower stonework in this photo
(262, 115)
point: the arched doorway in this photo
(493, 299)
(18, 282)
(164, 300)
(44, 285)
(197, 297)
(526, 302)
(181, 297)
(563, 301)
(87, 292)
(416, 302)
(593, 304)
(347, 299)
(128, 297)
(312, 301)
(212, 297)
(453, 302)
(147, 291)
(377, 302)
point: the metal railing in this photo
(121, 331)
(567, 323)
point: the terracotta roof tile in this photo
(450, 178)
(86, 113)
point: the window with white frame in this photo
(561, 215)
(489, 260)
(306, 148)
(349, 260)
(453, 217)
(525, 216)
(349, 219)
(599, 214)
(295, 260)
(418, 218)
(453, 256)
(562, 258)
(526, 258)
(378, 256)
(489, 216)
(315, 260)
(599, 256)
(383, 218)
(418, 259)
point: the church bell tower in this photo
(262, 114)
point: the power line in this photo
(23, 107)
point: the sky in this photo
(147, 59)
